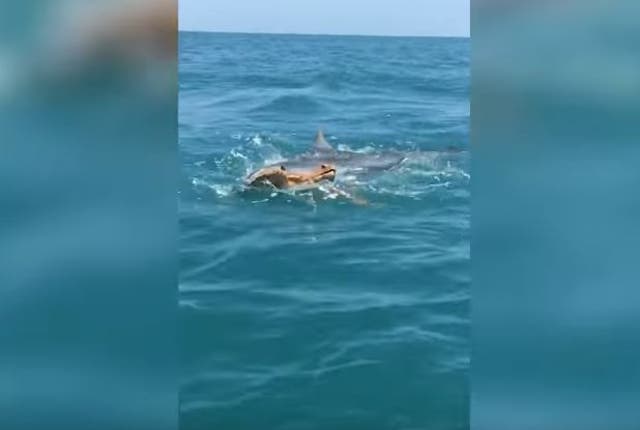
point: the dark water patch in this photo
(290, 105)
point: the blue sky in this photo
(367, 17)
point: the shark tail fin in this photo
(321, 143)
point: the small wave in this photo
(270, 82)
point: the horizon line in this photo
(323, 34)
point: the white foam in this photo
(236, 154)
(220, 189)
(364, 150)
(257, 140)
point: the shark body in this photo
(320, 166)
(345, 162)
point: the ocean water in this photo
(304, 311)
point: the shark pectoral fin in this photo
(321, 143)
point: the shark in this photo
(318, 168)
(346, 162)
(323, 162)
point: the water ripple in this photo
(302, 311)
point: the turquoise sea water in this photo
(306, 311)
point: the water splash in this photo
(419, 176)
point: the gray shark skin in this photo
(345, 162)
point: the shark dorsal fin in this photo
(321, 143)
